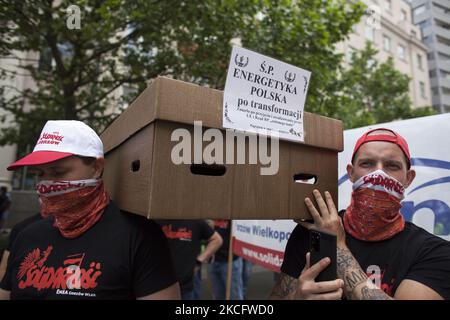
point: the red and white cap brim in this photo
(38, 158)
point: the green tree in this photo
(120, 42)
(127, 42)
(304, 33)
(368, 92)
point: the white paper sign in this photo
(262, 93)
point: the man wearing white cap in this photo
(84, 247)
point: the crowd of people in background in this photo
(5, 203)
(198, 243)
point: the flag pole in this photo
(230, 263)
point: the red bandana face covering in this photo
(76, 205)
(374, 212)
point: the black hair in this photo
(87, 160)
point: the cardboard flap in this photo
(323, 132)
(139, 114)
(182, 102)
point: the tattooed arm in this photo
(305, 287)
(357, 285)
(284, 288)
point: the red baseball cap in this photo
(61, 139)
(397, 139)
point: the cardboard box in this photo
(142, 178)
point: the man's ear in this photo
(350, 172)
(99, 165)
(410, 175)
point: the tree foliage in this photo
(127, 42)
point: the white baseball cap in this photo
(61, 139)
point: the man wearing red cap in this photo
(379, 255)
(84, 247)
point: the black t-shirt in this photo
(223, 227)
(412, 254)
(19, 227)
(123, 256)
(185, 237)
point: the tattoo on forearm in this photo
(355, 278)
(346, 262)
(357, 284)
(345, 259)
(285, 286)
(373, 294)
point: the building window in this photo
(403, 15)
(443, 40)
(445, 74)
(432, 74)
(427, 40)
(423, 25)
(422, 89)
(444, 57)
(401, 52)
(386, 43)
(369, 32)
(419, 61)
(419, 10)
(441, 9)
(443, 24)
(388, 6)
